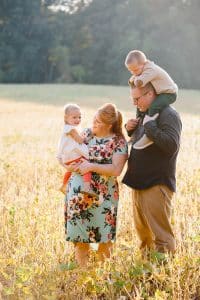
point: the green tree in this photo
(87, 41)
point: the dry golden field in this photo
(35, 260)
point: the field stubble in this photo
(34, 256)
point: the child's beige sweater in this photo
(158, 77)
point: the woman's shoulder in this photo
(119, 139)
(120, 142)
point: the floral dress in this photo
(93, 219)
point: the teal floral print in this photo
(93, 219)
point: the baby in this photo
(145, 71)
(71, 147)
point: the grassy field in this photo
(34, 257)
(89, 96)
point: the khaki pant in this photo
(152, 210)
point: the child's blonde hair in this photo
(135, 56)
(70, 107)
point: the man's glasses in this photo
(138, 98)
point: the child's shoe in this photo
(144, 141)
(148, 118)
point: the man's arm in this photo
(167, 135)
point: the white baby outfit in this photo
(68, 148)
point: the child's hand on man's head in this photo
(131, 79)
(138, 83)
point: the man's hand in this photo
(131, 124)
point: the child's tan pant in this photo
(152, 211)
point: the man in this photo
(151, 171)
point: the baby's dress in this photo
(68, 148)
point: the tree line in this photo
(49, 41)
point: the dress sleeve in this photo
(67, 128)
(121, 146)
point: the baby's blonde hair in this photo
(135, 56)
(70, 107)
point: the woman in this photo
(93, 219)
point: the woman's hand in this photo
(85, 167)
